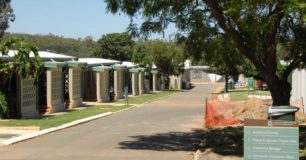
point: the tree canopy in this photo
(6, 15)
(254, 27)
(117, 46)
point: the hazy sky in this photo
(69, 18)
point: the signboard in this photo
(273, 140)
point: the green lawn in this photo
(241, 95)
(150, 97)
(54, 121)
(58, 120)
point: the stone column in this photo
(141, 82)
(55, 89)
(154, 81)
(118, 83)
(27, 98)
(135, 83)
(75, 97)
(102, 86)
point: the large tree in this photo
(6, 15)
(115, 46)
(254, 27)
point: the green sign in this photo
(273, 140)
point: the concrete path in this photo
(167, 129)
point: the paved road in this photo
(163, 130)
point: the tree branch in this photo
(271, 36)
(232, 33)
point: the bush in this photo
(4, 109)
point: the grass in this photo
(57, 120)
(53, 121)
(242, 95)
(150, 97)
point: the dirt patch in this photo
(253, 108)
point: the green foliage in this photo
(26, 61)
(58, 44)
(168, 57)
(141, 56)
(118, 46)
(6, 15)
(4, 110)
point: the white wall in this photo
(299, 85)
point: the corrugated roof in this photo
(129, 64)
(97, 61)
(43, 54)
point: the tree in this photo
(6, 15)
(115, 46)
(168, 58)
(254, 27)
(23, 65)
(142, 56)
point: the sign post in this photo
(275, 140)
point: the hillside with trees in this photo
(58, 44)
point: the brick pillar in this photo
(118, 84)
(135, 86)
(55, 90)
(75, 97)
(141, 82)
(102, 86)
(154, 82)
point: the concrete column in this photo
(118, 84)
(27, 98)
(135, 85)
(141, 82)
(55, 90)
(154, 82)
(102, 86)
(75, 97)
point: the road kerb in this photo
(49, 130)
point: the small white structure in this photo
(299, 85)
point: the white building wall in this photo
(299, 85)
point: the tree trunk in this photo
(280, 90)
(226, 84)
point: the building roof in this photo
(129, 64)
(43, 55)
(98, 61)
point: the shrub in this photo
(4, 109)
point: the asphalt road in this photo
(167, 129)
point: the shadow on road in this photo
(226, 141)
(172, 141)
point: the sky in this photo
(68, 18)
